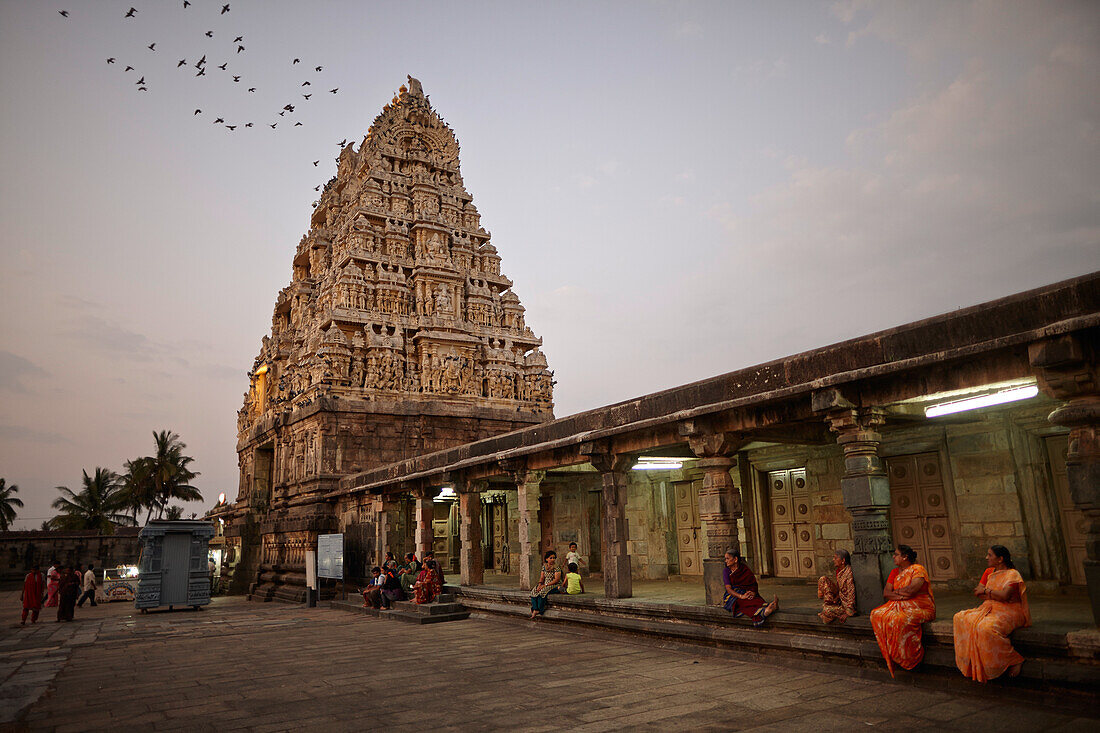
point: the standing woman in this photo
(34, 590)
(53, 581)
(909, 603)
(742, 596)
(549, 582)
(982, 648)
(68, 590)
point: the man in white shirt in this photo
(89, 586)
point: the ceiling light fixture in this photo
(972, 403)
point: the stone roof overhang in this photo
(970, 347)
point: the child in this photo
(573, 584)
(573, 556)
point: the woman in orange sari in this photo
(909, 603)
(982, 648)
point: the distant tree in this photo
(100, 505)
(8, 502)
(46, 525)
(138, 488)
(174, 512)
(171, 471)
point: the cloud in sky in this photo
(14, 369)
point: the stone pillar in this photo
(865, 486)
(425, 512)
(386, 534)
(471, 562)
(529, 488)
(719, 503)
(1067, 368)
(615, 474)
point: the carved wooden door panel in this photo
(918, 512)
(1074, 523)
(546, 525)
(500, 536)
(688, 528)
(792, 523)
(441, 534)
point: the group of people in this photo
(416, 580)
(983, 650)
(59, 587)
(553, 580)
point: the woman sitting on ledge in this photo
(427, 586)
(838, 595)
(909, 603)
(549, 582)
(742, 593)
(982, 647)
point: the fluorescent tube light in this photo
(652, 463)
(973, 403)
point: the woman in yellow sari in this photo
(909, 603)
(982, 648)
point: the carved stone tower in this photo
(398, 335)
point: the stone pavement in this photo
(237, 665)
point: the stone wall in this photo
(19, 550)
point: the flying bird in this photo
(238, 39)
(240, 48)
(252, 89)
(198, 111)
(236, 79)
(130, 13)
(142, 89)
(140, 81)
(222, 67)
(248, 124)
(307, 96)
(186, 3)
(181, 63)
(333, 91)
(282, 113)
(343, 142)
(231, 127)
(317, 69)
(129, 68)
(297, 124)
(152, 46)
(210, 34)
(201, 61)
(289, 108)
(305, 83)
(316, 188)
(295, 61)
(202, 72)
(225, 9)
(111, 60)
(273, 126)
(219, 120)
(315, 163)
(63, 13)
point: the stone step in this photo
(432, 609)
(424, 618)
(454, 612)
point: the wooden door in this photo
(689, 530)
(792, 523)
(500, 537)
(441, 533)
(176, 569)
(595, 532)
(918, 512)
(1074, 523)
(546, 525)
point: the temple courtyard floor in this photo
(240, 665)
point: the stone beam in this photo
(1068, 369)
(615, 546)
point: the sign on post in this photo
(330, 556)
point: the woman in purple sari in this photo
(742, 593)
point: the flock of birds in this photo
(201, 65)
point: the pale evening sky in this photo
(678, 189)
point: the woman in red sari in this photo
(427, 586)
(983, 650)
(909, 603)
(53, 581)
(742, 593)
(34, 591)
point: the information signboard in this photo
(330, 556)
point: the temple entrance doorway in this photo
(792, 523)
(595, 532)
(442, 532)
(918, 512)
(261, 482)
(1074, 524)
(495, 532)
(688, 527)
(546, 524)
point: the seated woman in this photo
(742, 593)
(982, 648)
(427, 586)
(408, 573)
(838, 595)
(550, 581)
(909, 603)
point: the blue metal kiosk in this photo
(174, 570)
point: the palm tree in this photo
(100, 505)
(171, 472)
(138, 488)
(8, 502)
(174, 512)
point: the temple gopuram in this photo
(397, 336)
